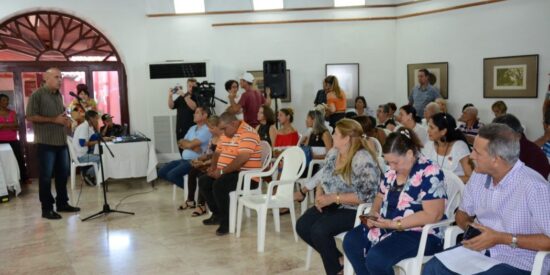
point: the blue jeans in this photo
(174, 171)
(53, 161)
(436, 267)
(89, 158)
(380, 258)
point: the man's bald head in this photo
(52, 78)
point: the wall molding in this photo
(290, 9)
(375, 18)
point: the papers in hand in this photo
(175, 96)
(465, 261)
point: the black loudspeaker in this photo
(177, 70)
(275, 77)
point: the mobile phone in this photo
(471, 232)
(366, 217)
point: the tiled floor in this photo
(158, 240)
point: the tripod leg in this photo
(94, 215)
(123, 212)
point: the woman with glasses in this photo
(411, 194)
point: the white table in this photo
(132, 160)
(9, 171)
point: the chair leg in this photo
(308, 257)
(276, 219)
(293, 220)
(97, 175)
(239, 210)
(311, 196)
(99, 178)
(262, 216)
(247, 211)
(185, 188)
(303, 204)
(232, 211)
(73, 175)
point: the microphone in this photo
(75, 95)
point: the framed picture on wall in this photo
(348, 78)
(511, 77)
(439, 76)
(259, 84)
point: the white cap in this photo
(248, 77)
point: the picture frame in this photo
(259, 84)
(348, 79)
(511, 76)
(440, 71)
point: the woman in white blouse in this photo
(447, 146)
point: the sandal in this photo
(201, 210)
(186, 205)
(304, 195)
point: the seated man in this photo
(84, 139)
(238, 149)
(471, 124)
(109, 129)
(505, 200)
(193, 145)
(531, 154)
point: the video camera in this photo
(204, 93)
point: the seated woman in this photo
(408, 118)
(86, 102)
(266, 129)
(336, 100)
(411, 195)
(350, 177)
(448, 146)
(361, 108)
(287, 134)
(367, 123)
(319, 138)
(8, 134)
(200, 165)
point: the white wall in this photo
(383, 48)
(464, 37)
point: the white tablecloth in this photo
(132, 160)
(9, 171)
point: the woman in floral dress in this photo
(411, 194)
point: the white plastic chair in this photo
(76, 163)
(293, 167)
(301, 182)
(378, 146)
(348, 268)
(243, 188)
(454, 188)
(452, 233)
(300, 136)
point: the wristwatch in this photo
(514, 243)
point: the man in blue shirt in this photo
(193, 145)
(423, 93)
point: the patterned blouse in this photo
(425, 182)
(364, 177)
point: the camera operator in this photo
(185, 103)
(250, 102)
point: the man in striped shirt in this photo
(46, 112)
(505, 200)
(238, 149)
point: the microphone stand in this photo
(106, 208)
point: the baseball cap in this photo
(106, 116)
(248, 77)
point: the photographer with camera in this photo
(250, 102)
(185, 103)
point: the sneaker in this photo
(213, 220)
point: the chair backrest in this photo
(299, 139)
(377, 145)
(294, 164)
(266, 154)
(72, 153)
(454, 188)
(382, 163)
